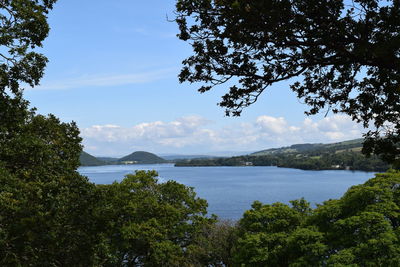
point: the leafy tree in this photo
(47, 223)
(47, 209)
(362, 227)
(46, 206)
(23, 26)
(42, 147)
(359, 229)
(150, 223)
(276, 235)
(214, 245)
(341, 56)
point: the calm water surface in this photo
(231, 190)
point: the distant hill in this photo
(142, 157)
(88, 160)
(351, 145)
(108, 159)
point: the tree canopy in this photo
(148, 223)
(340, 56)
(359, 229)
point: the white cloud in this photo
(107, 80)
(193, 134)
(334, 128)
(273, 125)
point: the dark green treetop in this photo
(149, 223)
(359, 229)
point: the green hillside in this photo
(88, 160)
(142, 157)
(351, 145)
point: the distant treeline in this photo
(309, 161)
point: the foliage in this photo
(46, 206)
(150, 223)
(45, 147)
(359, 229)
(341, 56)
(23, 26)
(214, 245)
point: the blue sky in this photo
(113, 69)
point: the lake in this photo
(231, 190)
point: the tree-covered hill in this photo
(142, 157)
(351, 145)
(88, 160)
